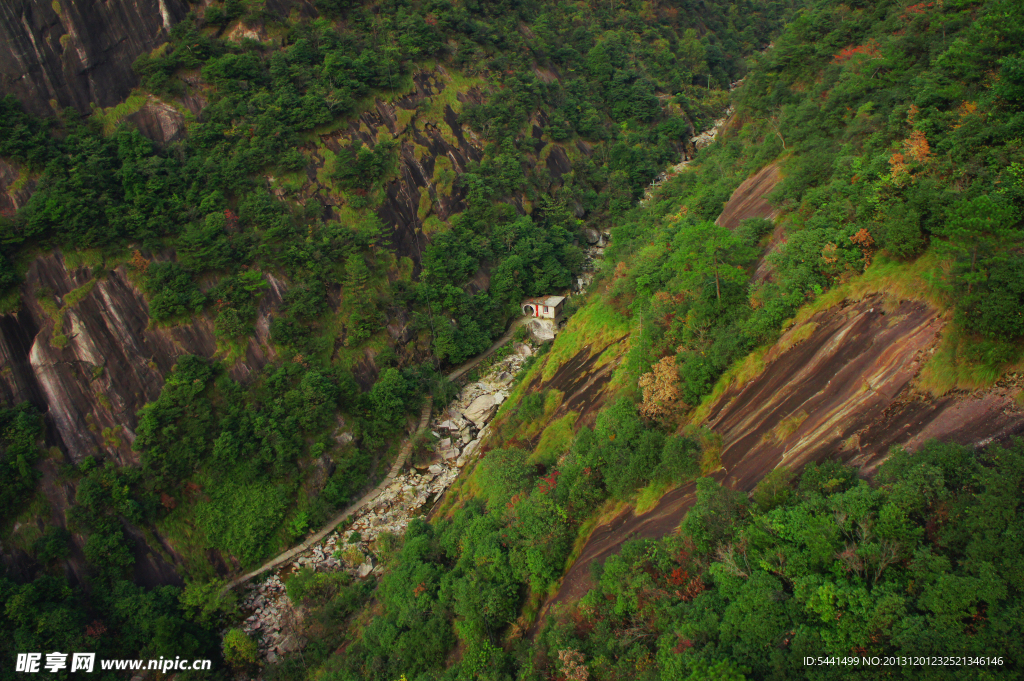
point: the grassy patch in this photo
(649, 496)
(919, 280)
(797, 336)
(596, 325)
(111, 116)
(403, 117)
(433, 224)
(556, 439)
(444, 175)
(28, 531)
(964, 362)
(10, 301)
(232, 349)
(56, 313)
(608, 511)
(426, 205)
(786, 427)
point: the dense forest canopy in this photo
(897, 128)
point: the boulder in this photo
(289, 644)
(542, 330)
(480, 410)
(364, 570)
(522, 349)
(470, 450)
(592, 236)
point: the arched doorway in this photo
(529, 311)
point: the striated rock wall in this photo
(78, 52)
(841, 386)
(90, 364)
(750, 200)
(83, 351)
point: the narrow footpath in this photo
(403, 457)
(399, 464)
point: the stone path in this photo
(505, 338)
(403, 456)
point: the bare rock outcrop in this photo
(841, 385)
(76, 53)
(750, 200)
(90, 360)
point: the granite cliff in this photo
(78, 54)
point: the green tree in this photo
(708, 250)
(976, 232)
(239, 650)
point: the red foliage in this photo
(430, 19)
(683, 644)
(679, 577)
(548, 483)
(919, 8)
(693, 589)
(167, 500)
(515, 500)
(96, 629)
(190, 490)
(870, 49)
(866, 242)
(232, 218)
(420, 588)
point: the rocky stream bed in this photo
(459, 430)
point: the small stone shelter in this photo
(546, 307)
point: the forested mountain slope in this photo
(223, 296)
(878, 311)
(340, 198)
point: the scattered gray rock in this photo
(480, 410)
(542, 330)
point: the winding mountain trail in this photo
(466, 366)
(396, 468)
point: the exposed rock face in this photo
(91, 365)
(15, 190)
(159, 121)
(445, 139)
(542, 330)
(92, 370)
(78, 52)
(750, 198)
(480, 410)
(846, 392)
